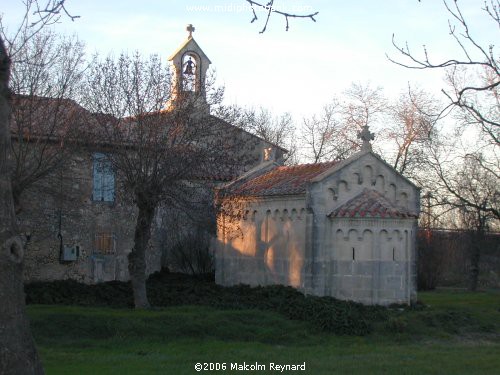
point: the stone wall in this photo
(62, 202)
(65, 197)
(366, 260)
(266, 246)
(370, 261)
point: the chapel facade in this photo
(343, 229)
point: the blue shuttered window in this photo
(103, 179)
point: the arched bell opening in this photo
(190, 72)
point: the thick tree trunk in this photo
(137, 258)
(18, 354)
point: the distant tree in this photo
(467, 172)
(363, 105)
(276, 129)
(476, 196)
(161, 157)
(410, 129)
(473, 78)
(18, 354)
(325, 137)
(333, 134)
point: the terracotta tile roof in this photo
(57, 119)
(282, 180)
(371, 203)
(36, 116)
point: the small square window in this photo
(104, 243)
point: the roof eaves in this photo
(270, 196)
(339, 165)
(252, 173)
(251, 134)
(185, 45)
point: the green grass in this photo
(458, 334)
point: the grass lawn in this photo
(459, 333)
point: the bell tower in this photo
(190, 65)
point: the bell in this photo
(189, 67)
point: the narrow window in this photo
(269, 154)
(393, 254)
(353, 254)
(103, 179)
(104, 243)
(189, 73)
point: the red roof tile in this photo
(36, 116)
(57, 119)
(282, 180)
(371, 203)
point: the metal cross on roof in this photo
(366, 136)
(190, 29)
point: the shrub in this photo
(396, 324)
(191, 255)
(168, 289)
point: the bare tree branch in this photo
(270, 9)
(35, 19)
(475, 96)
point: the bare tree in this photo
(325, 137)
(474, 77)
(18, 354)
(363, 106)
(465, 161)
(412, 127)
(275, 129)
(161, 156)
(469, 183)
(46, 71)
(333, 134)
(473, 192)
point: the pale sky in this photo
(296, 71)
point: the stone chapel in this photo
(344, 229)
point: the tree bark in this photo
(137, 258)
(18, 355)
(474, 266)
(475, 254)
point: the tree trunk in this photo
(474, 266)
(137, 258)
(18, 355)
(475, 255)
